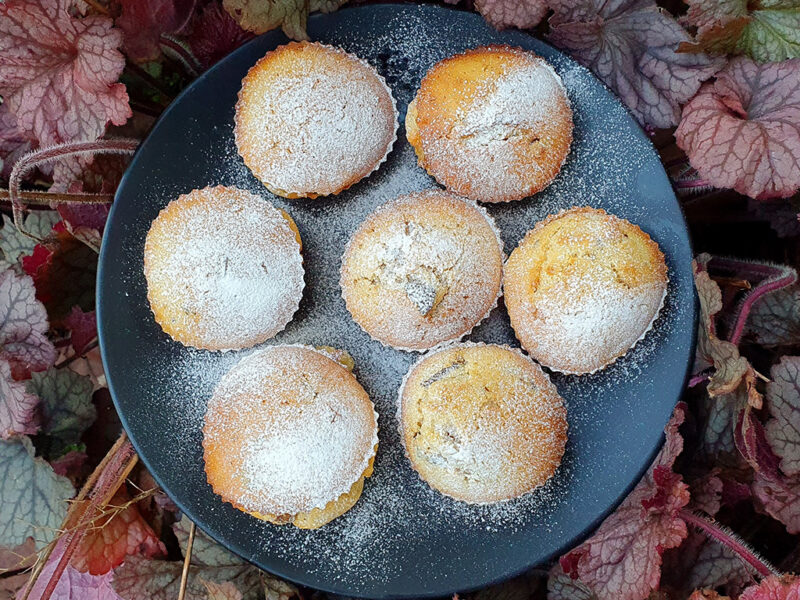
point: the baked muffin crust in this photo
(482, 423)
(422, 269)
(312, 120)
(289, 436)
(582, 288)
(493, 124)
(223, 269)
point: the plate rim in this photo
(103, 341)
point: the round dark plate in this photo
(402, 539)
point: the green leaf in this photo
(67, 409)
(14, 244)
(33, 497)
(765, 30)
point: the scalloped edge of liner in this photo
(301, 291)
(461, 336)
(399, 416)
(304, 195)
(370, 455)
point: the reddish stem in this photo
(690, 184)
(107, 484)
(51, 154)
(722, 535)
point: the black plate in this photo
(401, 539)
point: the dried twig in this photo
(41, 198)
(186, 562)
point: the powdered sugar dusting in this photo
(224, 267)
(422, 270)
(315, 131)
(308, 430)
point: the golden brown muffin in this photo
(312, 120)
(582, 288)
(289, 437)
(482, 423)
(422, 269)
(493, 123)
(223, 269)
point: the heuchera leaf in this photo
(766, 30)
(780, 214)
(783, 403)
(66, 277)
(205, 551)
(144, 21)
(14, 244)
(221, 591)
(743, 130)
(630, 45)
(786, 587)
(13, 142)
(214, 34)
(775, 319)
(72, 585)
(114, 537)
(33, 497)
(71, 464)
(730, 367)
(561, 586)
(82, 327)
(67, 409)
(58, 73)
(719, 418)
(523, 14)
(774, 493)
(141, 577)
(277, 589)
(18, 413)
(706, 493)
(703, 563)
(23, 326)
(260, 16)
(707, 595)
(622, 560)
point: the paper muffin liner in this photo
(485, 316)
(399, 411)
(553, 217)
(295, 194)
(336, 493)
(283, 223)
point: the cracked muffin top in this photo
(582, 288)
(289, 436)
(312, 120)
(223, 269)
(493, 124)
(482, 423)
(422, 269)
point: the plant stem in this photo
(727, 538)
(41, 198)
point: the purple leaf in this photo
(23, 326)
(631, 45)
(18, 413)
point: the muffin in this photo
(422, 269)
(582, 288)
(223, 269)
(493, 124)
(312, 120)
(481, 423)
(289, 437)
